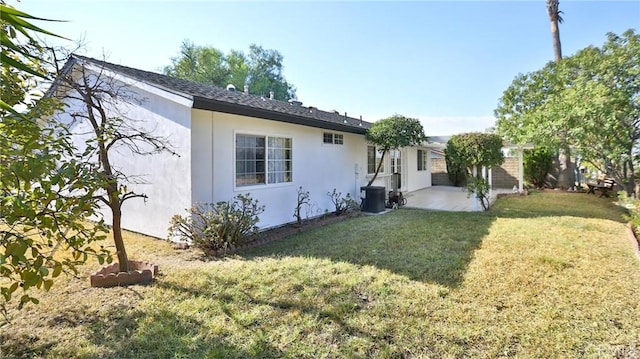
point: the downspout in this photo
(356, 187)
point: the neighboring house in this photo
(232, 142)
(436, 153)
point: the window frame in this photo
(267, 161)
(422, 164)
(337, 139)
(377, 156)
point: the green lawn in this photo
(547, 275)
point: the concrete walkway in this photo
(445, 198)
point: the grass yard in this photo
(542, 276)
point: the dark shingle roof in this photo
(206, 97)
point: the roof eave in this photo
(201, 103)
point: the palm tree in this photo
(566, 177)
(555, 18)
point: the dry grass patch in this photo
(547, 275)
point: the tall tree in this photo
(588, 101)
(261, 70)
(393, 133)
(99, 113)
(265, 73)
(564, 173)
(555, 18)
(44, 200)
(238, 69)
(199, 64)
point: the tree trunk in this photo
(554, 18)
(377, 169)
(566, 177)
(631, 185)
(555, 34)
(566, 174)
(123, 259)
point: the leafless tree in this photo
(103, 104)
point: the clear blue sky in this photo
(446, 63)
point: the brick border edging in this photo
(110, 276)
(633, 239)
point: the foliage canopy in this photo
(45, 188)
(261, 69)
(393, 133)
(475, 149)
(588, 101)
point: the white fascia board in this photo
(171, 95)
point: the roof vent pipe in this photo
(271, 95)
(345, 117)
(246, 89)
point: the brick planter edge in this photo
(110, 276)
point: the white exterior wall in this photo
(165, 177)
(414, 179)
(317, 167)
(411, 179)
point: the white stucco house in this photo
(232, 142)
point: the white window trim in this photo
(333, 136)
(425, 160)
(385, 165)
(259, 186)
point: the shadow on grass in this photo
(422, 245)
(122, 332)
(165, 334)
(430, 246)
(233, 300)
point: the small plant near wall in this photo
(220, 226)
(303, 202)
(479, 187)
(342, 204)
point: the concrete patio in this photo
(446, 198)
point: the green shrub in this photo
(456, 171)
(633, 207)
(214, 227)
(537, 164)
(479, 187)
(466, 151)
(342, 204)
